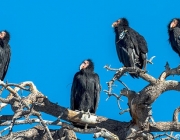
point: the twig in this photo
(122, 112)
(169, 136)
(106, 134)
(175, 115)
(168, 71)
(138, 133)
(1, 90)
(16, 85)
(150, 60)
(110, 69)
(123, 84)
(58, 119)
(4, 130)
(45, 126)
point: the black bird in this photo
(5, 53)
(131, 47)
(174, 34)
(85, 88)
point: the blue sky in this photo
(49, 39)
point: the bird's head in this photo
(5, 36)
(174, 23)
(87, 65)
(120, 22)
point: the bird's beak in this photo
(171, 25)
(81, 67)
(114, 24)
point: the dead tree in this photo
(28, 110)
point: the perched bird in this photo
(85, 90)
(131, 47)
(5, 53)
(174, 34)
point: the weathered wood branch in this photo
(168, 136)
(121, 71)
(114, 126)
(78, 117)
(140, 103)
(117, 127)
(38, 133)
(73, 116)
(175, 115)
(169, 72)
(38, 101)
(98, 132)
(165, 126)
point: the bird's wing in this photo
(123, 46)
(7, 57)
(4, 60)
(176, 46)
(118, 50)
(133, 39)
(97, 90)
(73, 91)
(142, 44)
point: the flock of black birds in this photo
(131, 49)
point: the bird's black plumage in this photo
(131, 47)
(85, 89)
(5, 55)
(174, 34)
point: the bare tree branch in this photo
(139, 128)
(169, 72)
(175, 115)
(121, 71)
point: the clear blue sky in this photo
(49, 39)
